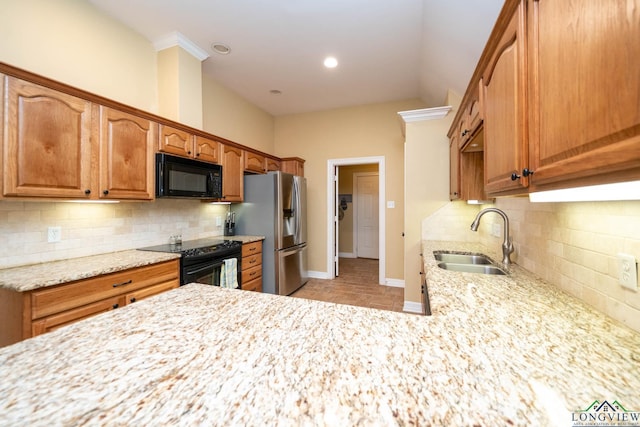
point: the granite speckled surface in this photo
(35, 276)
(497, 351)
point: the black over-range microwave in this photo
(187, 178)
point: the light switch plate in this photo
(391, 204)
(628, 271)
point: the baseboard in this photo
(318, 274)
(412, 307)
(395, 283)
(347, 255)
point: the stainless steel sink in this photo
(472, 268)
(462, 258)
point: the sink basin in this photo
(472, 268)
(462, 258)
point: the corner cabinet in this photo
(503, 87)
(46, 142)
(293, 165)
(126, 146)
(585, 86)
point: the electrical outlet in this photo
(495, 230)
(218, 221)
(628, 271)
(54, 234)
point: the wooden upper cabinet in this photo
(232, 173)
(207, 150)
(271, 164)
(503, 86)
(293, 165)
(585, 106)
(47, 142)
(126, 143)
(454, 168)
(175, 141)
(253, 162)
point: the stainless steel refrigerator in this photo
(275, 207)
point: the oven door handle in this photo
(207, 267)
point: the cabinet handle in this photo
(526, 172)
(253, 248)
(515, 176)
(133, 299)
(253, 261)
(465, 132)
(115, 285)
(189, 152)
(87, 192)
(115, 306)
(105, 192)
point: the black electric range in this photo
(202, 259)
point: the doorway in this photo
(346, 201)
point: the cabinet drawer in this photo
(132, 297)
(252, 261)
(251, 273)
(251, 248)
(75, 294)
(53, 322)
(254, 285)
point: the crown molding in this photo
(425, 114)
(178, 39)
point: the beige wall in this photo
(72, 42)
(426, 189)
(345, 186)
(230, 116)
(364, 131)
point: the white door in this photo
(367, 215)
(336, 237)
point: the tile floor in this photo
(356, 285)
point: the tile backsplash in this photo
(94, 228)
(570, 245)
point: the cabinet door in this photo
(207, 150)
(504, 88)
(272, 164)
(585, 59)
(454, 169)
(175, 141)
(293, 165)
(47, 142)
(253, 162)
(126, 155)
(151, 291)
(53, 322)
(232, 174)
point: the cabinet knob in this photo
(526, 172)
(465, 132)
(87, 191)
(189, 152)
(115, 306)
(133, 299)
(515, 176)
(105, 192)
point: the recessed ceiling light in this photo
(220, 48)
(330, 62)
(275, 92)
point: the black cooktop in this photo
(197, 247)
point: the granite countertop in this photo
(35, 276)
(508, 350)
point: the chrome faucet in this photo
(507, 244)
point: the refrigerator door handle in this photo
(296, 207)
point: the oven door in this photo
(207, 272)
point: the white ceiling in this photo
(387, 49)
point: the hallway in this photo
(356, 285)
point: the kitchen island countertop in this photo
(497, 351)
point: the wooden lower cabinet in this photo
(252, 266)
(27, 314)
